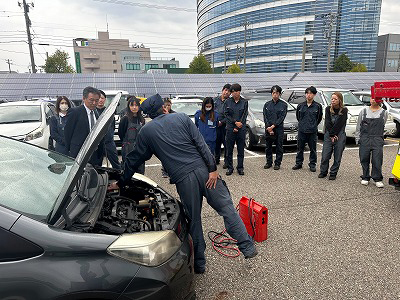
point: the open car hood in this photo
(89, 146)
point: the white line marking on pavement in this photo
(252, 153)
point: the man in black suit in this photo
(81, 120)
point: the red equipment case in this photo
(255, 218)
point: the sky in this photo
(168, 28)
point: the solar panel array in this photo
(15, 87)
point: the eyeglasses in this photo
(92, 100)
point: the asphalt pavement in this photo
(326, 239)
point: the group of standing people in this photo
(369, 134)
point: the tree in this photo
(58, 63)
(359, 68)
(234, 69)
(342, 64)
(199, 65)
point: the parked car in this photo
(392, 107)
(187, 106)
(27, 121)
(255, 132)
(65, 236)
(187, 97)
(353, 104)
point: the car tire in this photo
(248, 140)
(397, 133)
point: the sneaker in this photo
(241, 172)
(254, 254)
(313, 169)
(267, 166)
(320, 175)
(364, 182)
(379, 184)
(296, 167)
(332, 177)
(229, 172)
(276, 167)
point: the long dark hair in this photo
(59, 99)
(129, 113)
(207, 100)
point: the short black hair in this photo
(104, 94)
(227, 86)
(311, 89)
(89, 89)
(276, 88)
(236, 87)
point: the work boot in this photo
(254, 254)
(241, 172)
(229, 172)
(296, 167)
(277, 167)
(320, 175)
(267, 166)
(332, 177)
(313, 169)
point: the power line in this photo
(148, 5)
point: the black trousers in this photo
(231, 139)
(221, 136)
(311, 140)
(278, 141)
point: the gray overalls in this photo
(371, 142)
(336, 147)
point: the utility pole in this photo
(9, 65)
(303, 58)
(245, 24)
(28, 32)
(328, 35)
(225, 56)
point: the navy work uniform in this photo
(274, 114)
(221, 129)
(370, 137)
(235, 112)
(208, 129)
(57, 124)
(178, 144)
(309, 116)
(335, 125)
(109, 144)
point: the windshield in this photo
(348, 98)
(188, 108)
(122, 103)
(20, 114)
(256, 104)
(394, 104)
(31, 178)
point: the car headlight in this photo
(352, 119)
(34, 135)
(259, 123)
(147, 248)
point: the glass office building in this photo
(279, 34)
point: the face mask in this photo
(208, 108)
(64, 107)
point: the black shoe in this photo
(313, 169)
(321, 175)
(225, 166)
(267, 166)
(229, 172)
(276, 167)
(217, 162)
(296, 167)
(332, 177)
(199, 270)
(241, 172)
(254, 254)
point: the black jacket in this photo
(274, 113)
(309, 116)
(236, 112)
(339, 125)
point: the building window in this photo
(150, 66)
(169, 66)
(132, 66)
(113, 53)
(392, 63)
(115, 71)
(394, 47)
(114, 62)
